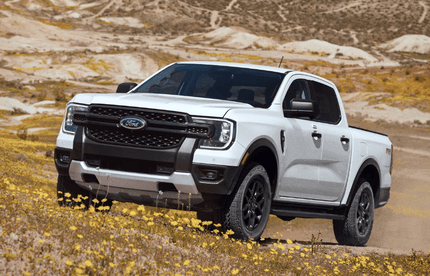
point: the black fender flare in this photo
(363, 167)
(253, 148)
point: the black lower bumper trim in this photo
(215, 179)
(62, 158)
(171, 200)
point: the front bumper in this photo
(147, 176)
(136, 187)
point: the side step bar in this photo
(296, 211)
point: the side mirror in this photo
(125, 87)
(302, 108)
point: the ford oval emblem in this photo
(133, 123)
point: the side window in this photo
(299, 89)
(328, 105)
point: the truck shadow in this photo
(270, 241)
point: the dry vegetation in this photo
(39, 237)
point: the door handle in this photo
(344, 140)
(316, 135)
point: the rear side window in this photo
(325, 96)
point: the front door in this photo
(303, 149)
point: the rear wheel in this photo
(248, 213)
(356, 228)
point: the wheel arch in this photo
(370, 171)
(262, 151)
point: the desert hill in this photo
(362, 22)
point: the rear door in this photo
(336, 143)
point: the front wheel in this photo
(249, 210)
(356, 228)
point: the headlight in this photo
(68, 125)
(224, 133)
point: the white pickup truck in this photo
(234, 142)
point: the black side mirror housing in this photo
(302, 108)
(125, 87)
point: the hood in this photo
(193, 106)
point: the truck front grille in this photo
(163, 129)
(126, 137)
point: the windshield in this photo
(255, 87)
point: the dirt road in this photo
(404, 223)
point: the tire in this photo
(67, 186)
(356, 228)
(249, 210)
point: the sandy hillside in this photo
(409, 43)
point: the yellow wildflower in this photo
(69, 262)
(235, 271)
(79, 271)
(88, 263)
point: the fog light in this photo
(65, 158)
(206, 174)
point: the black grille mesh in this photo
(129, 138)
